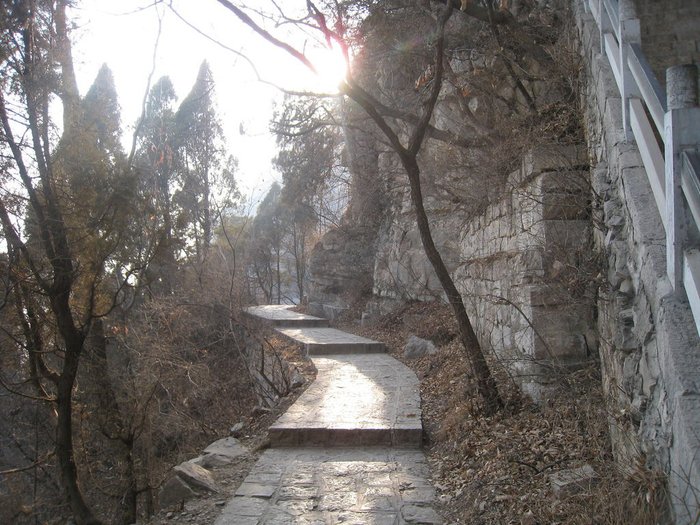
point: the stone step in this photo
(329, 341)
(356, 400)
(280, 315)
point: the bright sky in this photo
(122, 34)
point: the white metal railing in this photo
(650, 113)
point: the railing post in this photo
(630, 33)
(604, 26)
(681, 130)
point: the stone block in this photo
(565, 206)
(553, 157)
(684, 456)
(228, 448)
(256, 490)
(417, 347)
(624, 156)
(645, 218)
(572, 181)
(612, 122)
(572, 481)
(174, 493)
(559, 332)
(419, 514)
(561, 237)
(196, 476)
(605, 87)
(546, 295)
(679, 338)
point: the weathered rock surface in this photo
(174, 492)
(219, 453)
(188, 479)
(196, 476)
(341, 266)
(417, 347)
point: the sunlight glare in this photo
(331, 69)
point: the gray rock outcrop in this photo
(417, 347)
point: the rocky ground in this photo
(502, 469)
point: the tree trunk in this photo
(64, 438)
(279, 277)
(485, 382)
(486, 385)
(129, 500)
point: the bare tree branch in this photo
(241, 15)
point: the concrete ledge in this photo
(281, 315)
(281, 436)
(329, 341)
(356, 400)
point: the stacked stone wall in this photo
(523, 266)
(649, 346)
(525, 270)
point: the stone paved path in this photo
(360, 400)
(346, 450)
(324, 486)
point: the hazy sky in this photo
(122, 34)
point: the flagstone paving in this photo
(346, 450)
(334, 485)
(361, 399)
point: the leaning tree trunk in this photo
(486, 384)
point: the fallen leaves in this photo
(495, 470)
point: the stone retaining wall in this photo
(526, 266)
(649, 346)
(523, 266)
